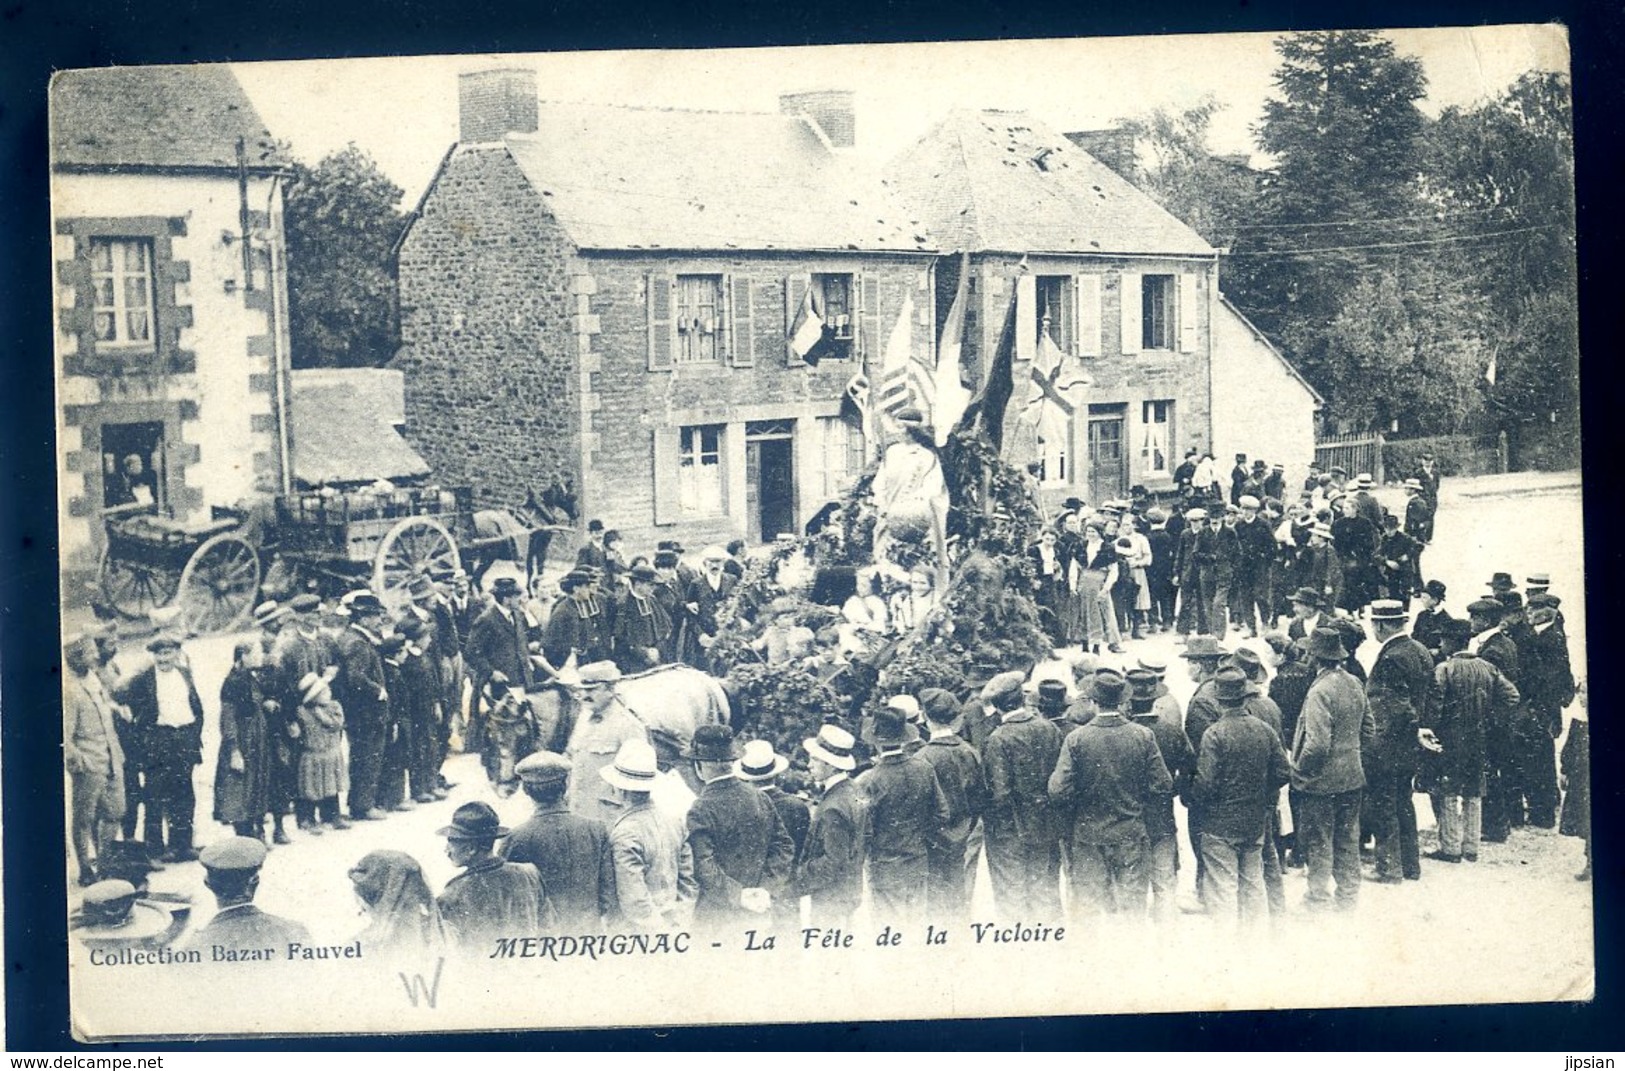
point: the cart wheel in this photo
(415, 545)
(132, 588)
(218, 585)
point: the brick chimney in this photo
(491, 104)
(1113, 147)
(830, 110)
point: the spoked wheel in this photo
(416, 546)
(132, 588)
(218, 585)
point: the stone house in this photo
(1068, 247)
(604, 294)
(171, 341)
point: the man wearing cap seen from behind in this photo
(570, 851)
(1108, 775)
(1327, 775)
(1162, 853)
(742, 852)
(654, 866)
(907, 811)
(1470, 696)
(231, 871)
(1023, 835)
(959, 775)
(489, 898)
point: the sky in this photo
(403, 110)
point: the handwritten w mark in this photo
(416, 985)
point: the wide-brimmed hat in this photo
(1388, 610)
(635, 767)
(1413, 484)
(476, 820)
(1203, 647)
(1230, 685)
(712, 743)
(833, 745)
(1501, 582)
(644, 574)
(1327, 643)
(1246, 659)
(759, 762)
(111, 911)
(312, 684)
(269, 612)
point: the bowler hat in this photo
(595, 525)
(1230, 686)
(759, 762)
(1387, 610)
(505, 586)
(476, 820)
(713, 743)
(1203, 647)
(1435, 588)
(542, 768)
(1107, 687)
(366, 603)
(643, 574)
(891, 728)
(1327, 643)
(833, 745)
(233, 853)
(664, 559)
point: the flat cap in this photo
(1003, 684)
(233, 853)
(304, 603)
(1490, 607)
(542, 768)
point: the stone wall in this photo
(488, 332)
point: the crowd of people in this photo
(1067, 774)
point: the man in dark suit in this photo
(1548, 687)
(1428, 629)
(742, 852)
(167, 717)
(570, 851)
(1238, 479)
(1399, 689)
(1501, 790)
(579, 623)
(592, 551)
(703, 598)
(1023, 834)
(907, 811)
(830, 872)
(231, 871)
(761, 766)
(361, 690)
(959, 773)
(498, 642)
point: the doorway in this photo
(133, 467)
(770, 481)
(1108, 461)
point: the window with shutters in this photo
(700, 319)
(700, 477)
(1157, 312)
(1055, 310)
(1156, 438)
(832, 295)
(1054, 460)
(121, 281)
(845, 455)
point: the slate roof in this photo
(345, 427)
(626, 178)
(1003, 181)
(156, 117)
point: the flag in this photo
(904, 381)
(857, 395)
(1489, 373)
(993, 399)
(949, 395)
(1058, 382)
(808, 330)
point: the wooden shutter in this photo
(1188, 316)
(667, 469)
(662, 326)
(1086, 294)
(795, 291)
(866, 291)
(741, 321)
(1133, 325)
(1026, 317)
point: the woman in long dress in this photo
(242, 775)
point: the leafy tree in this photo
(342, 223)
(1210, 194)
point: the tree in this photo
(342, 224)
(1209, 194)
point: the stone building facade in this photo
(589, 296)
(171, 341)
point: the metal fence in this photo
(1356, 453)
(1384, 458)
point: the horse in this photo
(674, 697)
(555, 509)
(499, 532)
